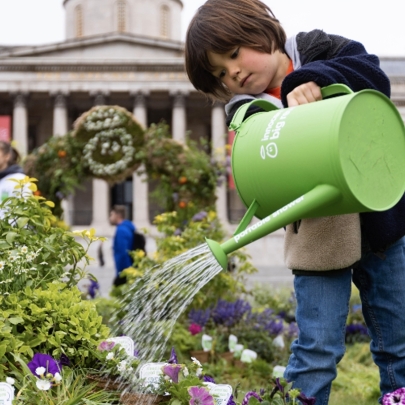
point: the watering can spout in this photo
(321, 196)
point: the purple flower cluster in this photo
(199, 316)
(267, 321)
(356, 328)
(230, 313)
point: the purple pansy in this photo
(306, 400)
(249, 395)
(64, 360)
(173, 357)
(208, 378)
(231, 401)
(46, 361)
(200, 396)
(172, 371)
(396, 397)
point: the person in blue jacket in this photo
(236, 51)
(123, 241)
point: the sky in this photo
(379, 26)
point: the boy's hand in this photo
(303, 94)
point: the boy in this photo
(236, 50)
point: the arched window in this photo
(121, 14)
(165, 21)
(79, 21)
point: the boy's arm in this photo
(351, 66)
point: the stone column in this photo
(218, 134)
(140, 201)
(20, 123)
(101, 191)
(179, 118)
(60, 115)
(60, 128)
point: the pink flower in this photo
(396, 397)
(105, 345)
(200, 396)
(195, 329)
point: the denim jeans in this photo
(322, 309)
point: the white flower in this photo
(43, 385)
(196, 362)
(40, 371)
(10, 380)
(122, 366)
(2, 266)
(199, 371)
(24, 249)
(110, 356)
(185, 372)
(57, 377)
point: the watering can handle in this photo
(241, 111)
(334, 89)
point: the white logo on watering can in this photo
(271, 150)
(272, 132)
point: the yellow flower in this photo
(139, 254)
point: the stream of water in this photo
(162, 295)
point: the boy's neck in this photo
(283, 70)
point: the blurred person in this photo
(123, 242)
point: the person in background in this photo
(236, 51)
(123, 241)
(9, 169)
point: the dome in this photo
(150, 18)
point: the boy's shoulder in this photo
(317, 44)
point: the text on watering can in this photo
(272, 132)
(240, 235)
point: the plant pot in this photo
(228, 356)
(137, 398)
(238, 364)
(201, 355)
(108, 384)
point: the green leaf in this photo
(21, 222)
(16, 320)
(11, 236)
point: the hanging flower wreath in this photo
(111, 140)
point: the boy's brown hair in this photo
(219, 26)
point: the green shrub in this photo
(54, 321)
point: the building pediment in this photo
(108, 46)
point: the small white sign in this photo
(150, 373)
(6, 394)
(232, 342)
(220, 392)
(238, 350)
(248, 356)
(206, 342)
(125, 342)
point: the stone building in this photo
(127, 53)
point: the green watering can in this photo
(340, 155)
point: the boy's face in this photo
(247, 71)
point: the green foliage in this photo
(73, 389)
(58, 167)
(187, 176)
(34, 252)
(54, 321)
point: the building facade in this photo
(127, 53)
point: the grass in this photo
(357, 382)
